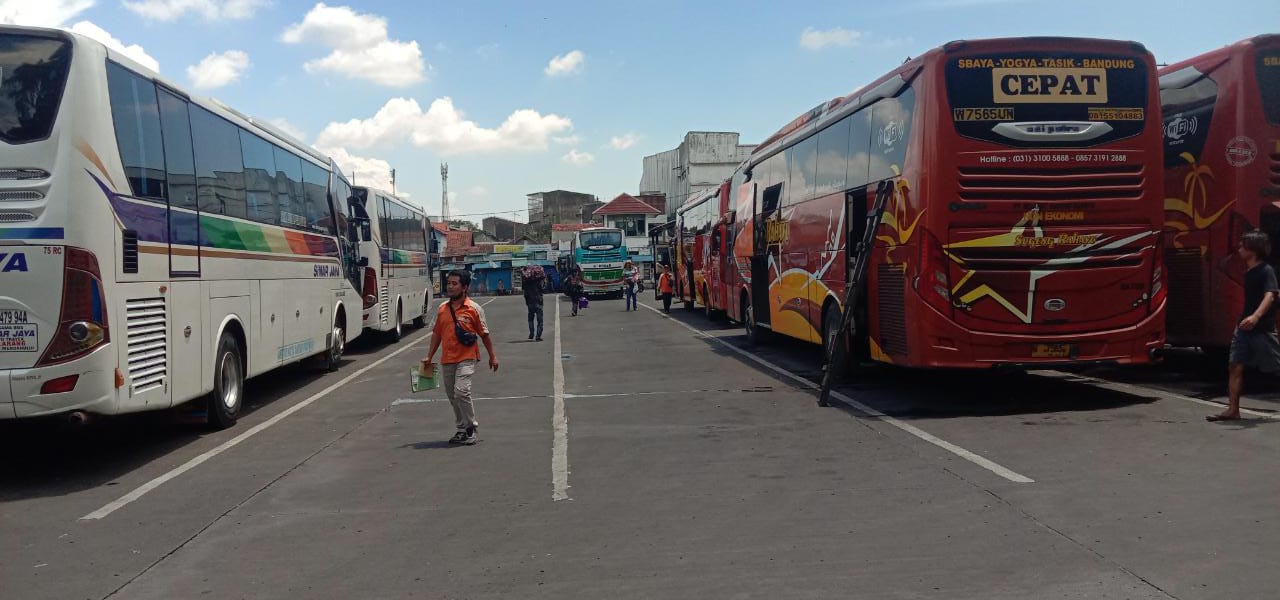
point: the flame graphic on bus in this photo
(1195, 207)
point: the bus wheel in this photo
(227, 399)
(397, 332)
(333, 357)
(420, 321)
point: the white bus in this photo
(393, 253)
(155, 248)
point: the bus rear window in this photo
(1269, 84)
(1043, 99)
(601, 240)
(33, 72)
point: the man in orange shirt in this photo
(459, 324)
(665, 288)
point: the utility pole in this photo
(393, 181)
(444, 192)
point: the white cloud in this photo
(568, 140)
(477, 190)
(41, 13)
(444, 129)
(363, 171)
(578, 159)
(565, 64)
(212, 10)
(133, 51)
(813, 39)
(361, 46)
(217, 70)
(623, 142)
(289, 128)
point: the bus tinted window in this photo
(600, 240)
(890, 129)
(859, 148)
(290, 199)
(1269, 83)
(180, 164)
(833, 158)
(802, 164)
(259, 178)
(137, 119)
(1187, 112)
(219, 167)
(315, 184)
(33, 71)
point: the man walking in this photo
(533, 279)
(665, 288)
(629, 277)
(1255, 343)
(459, 323)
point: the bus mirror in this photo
(366, 232)
(363, 262)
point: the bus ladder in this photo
(853, 292)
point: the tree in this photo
(463, 224)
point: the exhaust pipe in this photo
(78, 418)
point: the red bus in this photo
(1222, 178)
(702, 273)
(1024, 221)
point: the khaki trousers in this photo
(457, 385)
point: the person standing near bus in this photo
(533, 300)
(629, 277)
(1255, 343)
(573, 288)
(459, 323)
(665, 288)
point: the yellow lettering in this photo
(1040, 85)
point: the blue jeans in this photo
(630, 293)
(535, 310)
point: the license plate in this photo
(13, 316)
(18, 337)
(1052, 351)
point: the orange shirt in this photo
(664, 284)
(471, 317)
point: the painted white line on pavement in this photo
(1140, 390)
(403, 401)
(227, 445)
(560, 425)
(867, 410)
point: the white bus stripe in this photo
(985, 463)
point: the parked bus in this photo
(1222, 178)
(704, 226)
(396, 283)
(156, 247)
(599, 252)
(1022, 224)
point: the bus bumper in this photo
(94, 391)
(951, 346)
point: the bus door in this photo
(184, 210)
(766, 206)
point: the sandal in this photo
(1216, 418)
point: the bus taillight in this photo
(370, 287)
(82, 324)
(934, 282)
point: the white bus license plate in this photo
(18, 337)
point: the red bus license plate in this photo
(1052, 351)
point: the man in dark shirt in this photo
(1255, 343)
(533, 300)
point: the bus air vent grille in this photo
(891, 286)
(1186, 295)
(1038, 184)
(129, 251)
(148, 343)
(20, 195)
(16, 216)
(23, 174)
(384, 301)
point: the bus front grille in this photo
(891, 308)
(1037, 184)
(1186, 294)
(147, 333)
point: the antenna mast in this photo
(444, 191)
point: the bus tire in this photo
(397, 332)
(227, 399)
(338, 345)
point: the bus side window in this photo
(859, 149)
(180, 163)
(259, 178)
(219, 166)
(1181, 107)
(802, 160)
(290, 198)
(833, 158)
(890, 132)
(134, 107)
(315, 184)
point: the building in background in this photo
(504, 230)
(634, 217)
(558, 207)
(701, 161)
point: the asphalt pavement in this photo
(641, 455)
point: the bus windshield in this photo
(33, 71)
(1047, 99)
(600, 240)
(1269, 84)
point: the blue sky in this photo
(523, 96)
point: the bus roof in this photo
(698, 199)
(1270, 40)
(392, 197)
